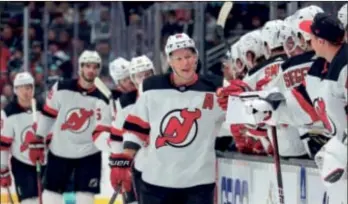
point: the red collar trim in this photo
(79, 86)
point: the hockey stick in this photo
(38, 165)
(106, 92)
(114, 196)
(277, 165)
(273, 99)
(9, 195)
(221, 21)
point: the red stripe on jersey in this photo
(5, 143)
(138, 121)
(305, 105)
(53, 112)
(49, 138)
(116, 134)
(98, 130)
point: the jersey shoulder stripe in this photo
(72, 85)
(13, 108)
(299, 59)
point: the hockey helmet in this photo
(119, 69)
(89, 56)
(270, 35)
(304, 14)
(342, 15)
(251, 42)
(179, 41)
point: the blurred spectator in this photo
(171, 26)
(3, 101)
(102, 29)
(104, 50)
(210, 30)
(7, 91)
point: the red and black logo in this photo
(27, 135)
(320, 109)
(178, 128)
(77, 120)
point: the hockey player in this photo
(176, 118)
(330, 101)
(119, 72)
(237, 63)
(18, 140)
(140, 68)
(69, 110)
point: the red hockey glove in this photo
(36, 149)
(235, 88)
(120, 165)
(5, 178)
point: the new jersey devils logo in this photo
(178, 128)
(77, 120)
(320, 109)
(27, 135)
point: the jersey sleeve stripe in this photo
(5, 143)
(98, 130)
(138, 121)
(116, 134)
(304, 101)
(140, 132)
(50, 112)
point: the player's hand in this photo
(120, 165)
(36, 149)
(234, 89)
(5, 178)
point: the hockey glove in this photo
(120, 165)
(5, 178)
(36, 149)
(234, 89)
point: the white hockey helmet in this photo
(236, 55)
(23, 78)
(140, 64)
(89, 56)
(305, 14)
(288, 34)
(119, 69)
(251, 42)
(270, 35)
(342, 15)
(179, 41)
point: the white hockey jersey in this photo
(265, 70)
(107, 114)
(69, 110)
(179, 126)
(17, 126)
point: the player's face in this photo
(138, 78)
(251, 61)
(184, 63)
(126, 84)
(291, 48)
(90, 71)
(317, 45)
(25, 92)
(239, 65)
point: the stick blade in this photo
(102, 87)
(224, 11)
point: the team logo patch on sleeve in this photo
(77, 120)
(320, 108)
(178, 128)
